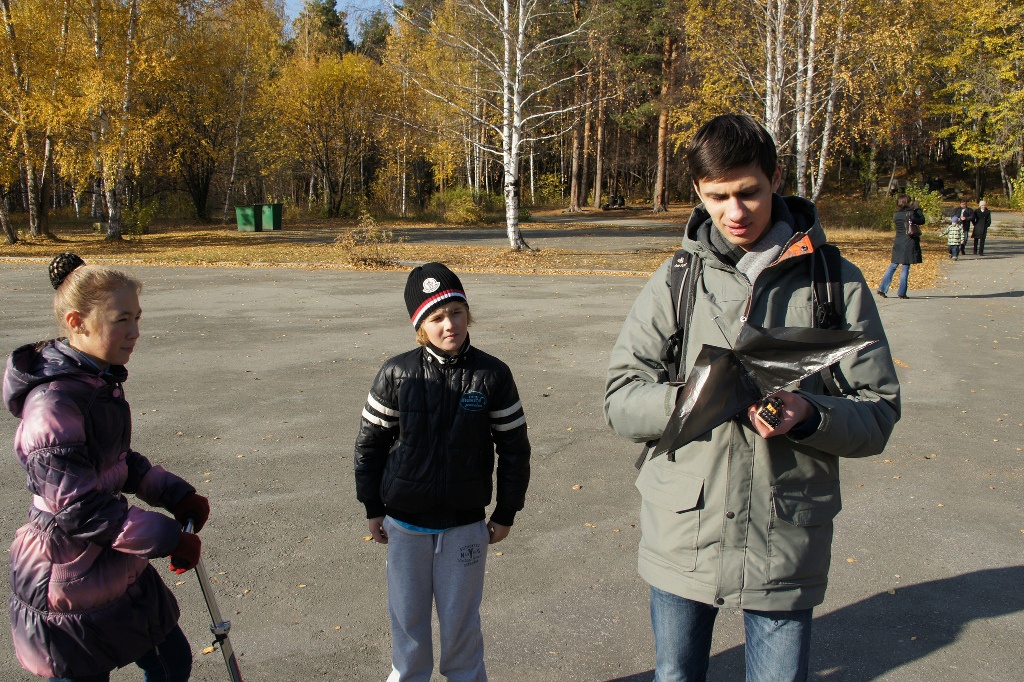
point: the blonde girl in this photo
(85, 599)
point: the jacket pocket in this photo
(800, 532)
(670, 513)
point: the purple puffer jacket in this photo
(85, 599)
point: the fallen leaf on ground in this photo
(577, 487)
(208, 650)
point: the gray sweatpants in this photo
(447, 568)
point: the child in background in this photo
(85, 598)
(424, 461)
(954, 237)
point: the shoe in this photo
(904, 297)
(881, 293)
(955, 258)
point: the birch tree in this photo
(36, 45)
(515, 47)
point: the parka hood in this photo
(800, 214)
(39, 363)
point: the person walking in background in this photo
(85, 599)
(954, 237)
(906, 245)
(964, 216)
(982, 221)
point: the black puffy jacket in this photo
(429, 434)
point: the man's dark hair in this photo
(728, 142)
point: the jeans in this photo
(778, 643)
(170, 661)
(954, 251)
(887, 279)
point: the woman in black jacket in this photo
(906, 246)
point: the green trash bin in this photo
(250, 218)
(272, 216)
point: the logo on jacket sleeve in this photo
(473, 401)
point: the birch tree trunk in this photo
(512, 120)
(835, 85)
(5, 222)
(667, 82)
(574, 172)
(599, 143)
(775, 65)
(238, 136)
(115, 171)
(585, 153)
(807, 38)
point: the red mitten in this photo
(192, 506)
(186, 555)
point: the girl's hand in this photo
(377, 530)
(497, 532)
(186, 555)
(193, 506)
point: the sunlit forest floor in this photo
(323, 244)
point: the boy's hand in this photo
(497, 532)
(377, 530)
(795, 410)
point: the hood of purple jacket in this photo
(38, 363)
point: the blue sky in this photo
(356, 9)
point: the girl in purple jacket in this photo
(85, 599)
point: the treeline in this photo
(122, 109)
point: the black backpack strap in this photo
(682, 277)
(828, 288)
(682, 280)
(828, 300)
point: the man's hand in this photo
(497, 531)
(795, 410)
(377, 530)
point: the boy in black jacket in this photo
(424, 461)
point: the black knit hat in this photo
(429, 287)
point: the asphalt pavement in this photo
(250, 382)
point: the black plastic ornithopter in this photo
(724, 382)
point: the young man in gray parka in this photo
(742, 516)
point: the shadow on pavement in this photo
(869, 639)
(1000, 294)
(639, 677)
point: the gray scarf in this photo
(766, 250)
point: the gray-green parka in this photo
(737, 520)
